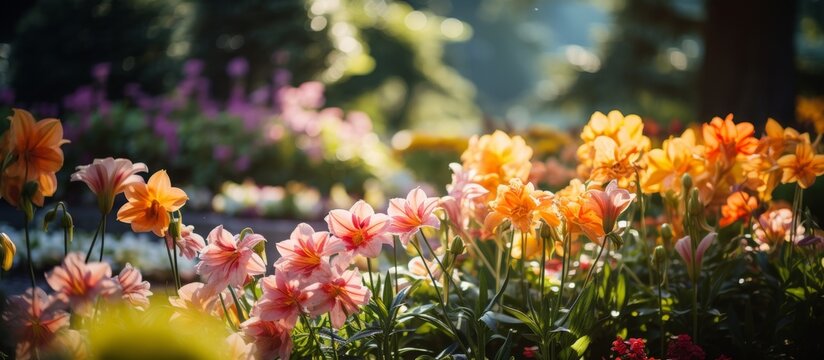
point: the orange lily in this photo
(724, 140)
(802, 167)
(739, 205)
(150, 204)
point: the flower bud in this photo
(8, 251)
(68, 225)
(457, 247)
(48, 218)
(659, 257)
(174, 230)
(666, 232)
(686, 182)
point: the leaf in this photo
(506, 348)
(581, 345)
(363, 334)
(500, 291)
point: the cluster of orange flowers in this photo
(734, 171)
(30, 153)
(30, 156)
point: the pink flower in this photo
(361, 230)
(79, 283)
(68, 344)
(283, 299)
(306, 251)
(410, 214)
(134, 290)
(272, 338)
(228, 260)
(774, 227)
(609, 204)
(237, 348)
(34, 318)
(193, 299)
(463, 196)
(189, 242)
(341, 294)
(109, 177)
(693, 263)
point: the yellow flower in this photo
(802, 167)
(497, 159)
(612, 145)
(7, 252)
(665, 166)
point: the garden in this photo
(350, 180)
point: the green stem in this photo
(438, 294)
(172, 264)
(332, 337)
(226, 312)
(28, 255)
(661, 316)
(241, 316)
(103, 237)
(312, 338)
(177, 269)
(589, 274)
(443, 268)
(94, 240)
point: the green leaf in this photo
(581, 345)
(506, 348)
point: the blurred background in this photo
(283, 109)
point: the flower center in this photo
(358, 238)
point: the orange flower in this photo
(579, 218)
(516, 202)
(724, 140)
(612, 161)
(150, 204)
(802, 167)
(497, 159)
(739, 205)
(36, 146)
(612, 145)
(665, 166)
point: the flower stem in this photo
(443, 268)
(332, 337)
(28, 255)
(94, 240)
(241, 316)
(103, 237)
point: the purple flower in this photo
(6, 96)
(101, 71)
(237, 67)
(193, 68)
(222, 152)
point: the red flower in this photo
(682, 348)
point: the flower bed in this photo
(680, 249)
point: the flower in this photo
(580, 218)
(516, 202)
(634, 349)
(150, 204)
(802, 167)
(693, 263)
(109, 177)
(306, 251)
(665, 166)
(612, 145)
(774, 227)
(272, 338)
(283, 299)
(193, 298)
(460, 202)
(189, 242)
(724, 140)
(360, 229)
(133, 289)
(34, 319)
(410, 214)
(228, 260)
(497, 159)
(79, 284)
(609, 204)
(739, 205)
(36, 145)
(7, 250)
(682, 348)
(341, 294)
(237, 348)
